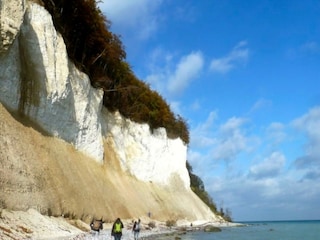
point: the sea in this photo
(269, 230)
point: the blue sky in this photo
(245, 76)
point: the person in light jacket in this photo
(136, 229)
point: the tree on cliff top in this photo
(100, 54)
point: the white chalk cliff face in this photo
(148, 156)
(38, 80)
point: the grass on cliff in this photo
(99, 53)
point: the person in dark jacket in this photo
(116, 230)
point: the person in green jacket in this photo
(116, 230)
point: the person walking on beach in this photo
(136, 229)
(116, 230)
(96, 225)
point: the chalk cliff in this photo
(61, 151)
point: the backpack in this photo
(96, 225)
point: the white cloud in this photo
(232, 125)
(269, 168)
(276, 133)
(230, 147)
(171, 78)
(203, 135)
(231, 140)
(139, 16)
(309, 125)
(238, 55)
(224, 142)
(186, 71)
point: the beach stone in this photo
(210, 228)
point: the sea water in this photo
(271, 230)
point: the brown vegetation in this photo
(100, 54)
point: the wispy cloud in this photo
(139, 16)
(307, 48)
(238, 55)
(203, 135)
(311, 47)
(186, 12)
(261, 104)
(208, 123)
